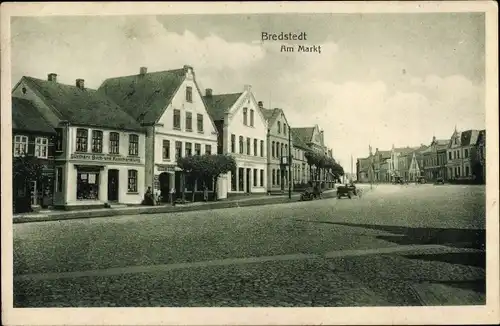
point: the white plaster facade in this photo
(251, 152)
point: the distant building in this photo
(481, 156)
(99, 148)
(242, 130)
(363, 169)
(435, 159)
(301, 172)
(32, 135)
(462, 156)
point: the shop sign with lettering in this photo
(166, 168)
(105, 158)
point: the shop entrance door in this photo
(113, 185)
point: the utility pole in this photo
(289, 163)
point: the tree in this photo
(207, 167)
(25, 169)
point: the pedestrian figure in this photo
(148, 197)
(205, 193)
(157, 196)
(172, 196)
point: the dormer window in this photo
(189, 94)
(245, 116)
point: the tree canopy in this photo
(26, 168)
(322, 161)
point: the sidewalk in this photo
(134, 210)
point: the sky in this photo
(380, 79)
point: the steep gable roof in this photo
(145, 96)
(218, 105)
(469, 137)
(297, 141)
(305, 133)
(84, 107)
(26, 117)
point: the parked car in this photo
(439, 181)
(348, 190)
(421, 180)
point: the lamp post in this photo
(289, 163)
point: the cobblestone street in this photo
(397, 245)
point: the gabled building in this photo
(381, 165)
(300, 169)
(313, 137)
(435, 159)
(98, 147)
(32, 135)
(242, 132)
(170, 106)
(363, 166)
(462, 155)
(278, 139)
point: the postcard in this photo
(210, 163)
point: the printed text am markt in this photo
(301, 48)
(302, 36)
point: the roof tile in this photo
(26, 117)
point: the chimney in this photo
(260, 104)
(143, 71)
(247, 88)
(80, 83)
(52, 77)
(208, 92)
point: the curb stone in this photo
(163, 209)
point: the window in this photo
(245, 116)
(281, 152)
(251, 118)
(197, 149)
(41, 147)
(466, 153)
(114, 143)
(20, 145)
(274, 177)
(284, 128)
(166, 149)
(178, 149)
(189, 121)
(255, 150)
(87, 186)
(273, 150)
(278, 176)
(248, 146)
(59, 140)
(59, 179)
(233, 143)
(241, 173)
(458, 154)
(241, 145)
(286, 150)
(261, 148)
(279, 127)
(133, 145)
(189, 94)
(255, 177)
(208, 149)
(467, 171)
(449, 155)
(233, 180)
(177, 119)
(132, 181)
(188, 149)
(199, 122)
(81, 139)
(262, 178)
(96, 141)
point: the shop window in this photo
(96, 141)
(255, 176)
(59, 140)
(189, 94)
(255, 144)
(241, 175)
(233, 143)
(199, 122)
(245, 116)
(241, 145)
(197, 149)
(178, 149)
(233, 180)
(274, 177)
(133, 145)
(208, 149)
(82, 140)
(188, 149)
(20, 145)
(166, 149)
(177, 119)
(261, 148)
(87, 186)
(132, 181)
(189, 121)
(261, 178)
(114, 143)
(251, 118)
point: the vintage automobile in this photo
(421, 180)
(348, 190)
(439, 181)
(310, 194)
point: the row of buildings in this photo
(461, 158)
(111, 144)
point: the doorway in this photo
(248, 180)
(113, 181)
(165, 186)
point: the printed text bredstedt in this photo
(302, 36)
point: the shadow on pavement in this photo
(460, 238)
(475, 259)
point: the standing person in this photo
(157, 196)
(172, 196)
(205, 192)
